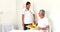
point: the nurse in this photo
(42, 21)
(28, 16)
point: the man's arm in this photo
(22, 19)
(45, 28)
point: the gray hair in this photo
(43, 11)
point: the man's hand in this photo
(42, 29)
(45, 28)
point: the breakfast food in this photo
(33, 26)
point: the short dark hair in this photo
(43, 11)
(27, 3)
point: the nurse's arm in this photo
(22, 19)
(34, 18)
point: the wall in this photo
(55, 14)
(8, 12)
